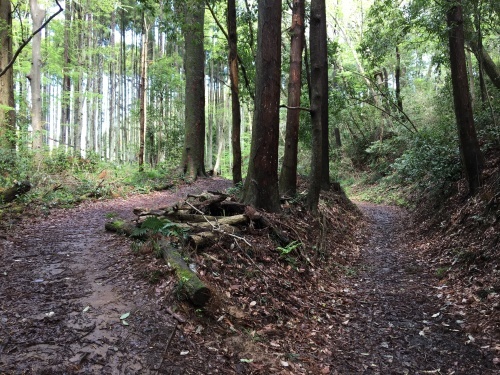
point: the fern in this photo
(154, 225)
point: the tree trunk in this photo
(66, 80)
(399, 100)
(235, 96)
(142, 94)
(469, 147)
(7, 112)
(488, 64)
(319, 80)
(193, 158)
(288, 176)
(37, 16)
(261, 184)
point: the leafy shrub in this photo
(431, 160)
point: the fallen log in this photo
(19, 188)
(120, 226)
(203, 239)
(196, 291)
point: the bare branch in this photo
(25, 42)
(298, 108)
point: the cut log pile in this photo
(203, 219)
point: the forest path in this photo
(397, 318)
(65, 282)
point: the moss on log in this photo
(120, 226)
(197, 292)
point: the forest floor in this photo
(366, 304)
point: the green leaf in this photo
(244, 360)
(125, 316)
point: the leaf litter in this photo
(349, 300)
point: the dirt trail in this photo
(397, 321)
(65, 282)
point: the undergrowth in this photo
(59, 179)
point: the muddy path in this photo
(65, 283)
(397, 319)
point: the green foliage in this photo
(431, 161)
(154, 225)
(289, 248)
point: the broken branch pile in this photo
(197, 222)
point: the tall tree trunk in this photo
(261, 185)
(7, 112)
(66, 80)
(399, 100)
(193, 158)
(235, 96)
(319, 103)
(142, 94)
(112, 91)
(288, 176)
(469, 146)
(37, 16)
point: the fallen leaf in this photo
(86, 309)
(244, 360)
(436, 315)
(124, 322)
(253, 303)
(285, 364)
(125, 316)
(185, 352)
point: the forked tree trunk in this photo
(469, 146)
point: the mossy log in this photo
(15, 191)
(197, 292)
(120, 226)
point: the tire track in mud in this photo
(396, 319)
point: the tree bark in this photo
(288, 176)
(7, 112)
(142, 94)
(37, 16)
(193, 158)
(235, 95)
(66, 80)
(196, 291)
(399, 100)
(472, 158)
(319, 103)
(261, 184)
(488, 64)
